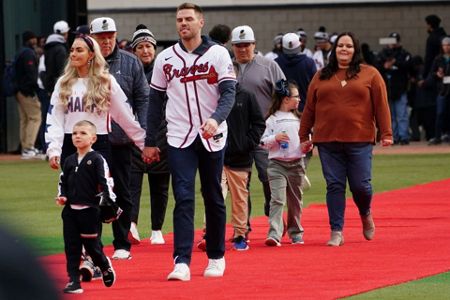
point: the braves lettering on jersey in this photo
(191, 81)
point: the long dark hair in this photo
(354, 67)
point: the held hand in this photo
(150, 154)
(209, 128)
(386, 142)
(306, 146)
(54, 162)
(61, 201)
(282, 137)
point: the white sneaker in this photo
(180, 272)
(157, 238)
(215, 268)
(133, 235)
(121, 254)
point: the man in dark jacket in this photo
(395, 66)
(433, 45)
(129, 73)
(245, 127)
(55, 53)
(296, 67)
(26, 95)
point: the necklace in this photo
(343, 82)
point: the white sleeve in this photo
(268, 138)
(224, 66)
(122, 114)
(54, 133)
(159, 81)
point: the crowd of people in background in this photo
(182, 97)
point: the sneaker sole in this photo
(272, 243)
(79, 291)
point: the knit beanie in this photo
(142, 34)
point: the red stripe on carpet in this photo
(412, 241)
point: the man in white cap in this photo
(55, 53)
(257, 74)
(129, 73)
(323, 46)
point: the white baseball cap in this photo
(100, 25)
(61, 27)
(291, 43)
(242, 34)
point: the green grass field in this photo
(28, 189)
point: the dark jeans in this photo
(442, 119)
(342, 162)
(81, 227)
(44, 98)
(183, 164)
(121, 170)
(159, 195)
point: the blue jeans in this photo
(342, 162)
(183, 165)
(442, 103)
(399, 117)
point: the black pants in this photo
(81, 228)
(159, 194)
(121, 170)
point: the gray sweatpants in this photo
(285, 178)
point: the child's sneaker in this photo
(298, 240)
(240, 244)
(73, 287)
(109, 276)
(272, 242)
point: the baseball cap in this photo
(82, 29)
(320, 35)
(61, 27)
(291, 43)
(302, 33)
(395, 35)
(100, 25)
(242, 34)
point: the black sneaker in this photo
(73, 287)
(109, 276)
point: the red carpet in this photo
(412, 241)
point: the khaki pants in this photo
(30, 119)
(236, 182)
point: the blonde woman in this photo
(86, 91)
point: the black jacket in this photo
(55, 53)
(245, 127)
(129, 73)
(80, 183)
(397, 78)
(440, 62)
(433, 48)
(300, 69)
(27, 72)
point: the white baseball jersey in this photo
(191, 81)
(60, 121)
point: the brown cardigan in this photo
(349, 113)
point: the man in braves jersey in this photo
(198, 78)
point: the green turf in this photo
(28, 189)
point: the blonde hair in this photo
(98, 87)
